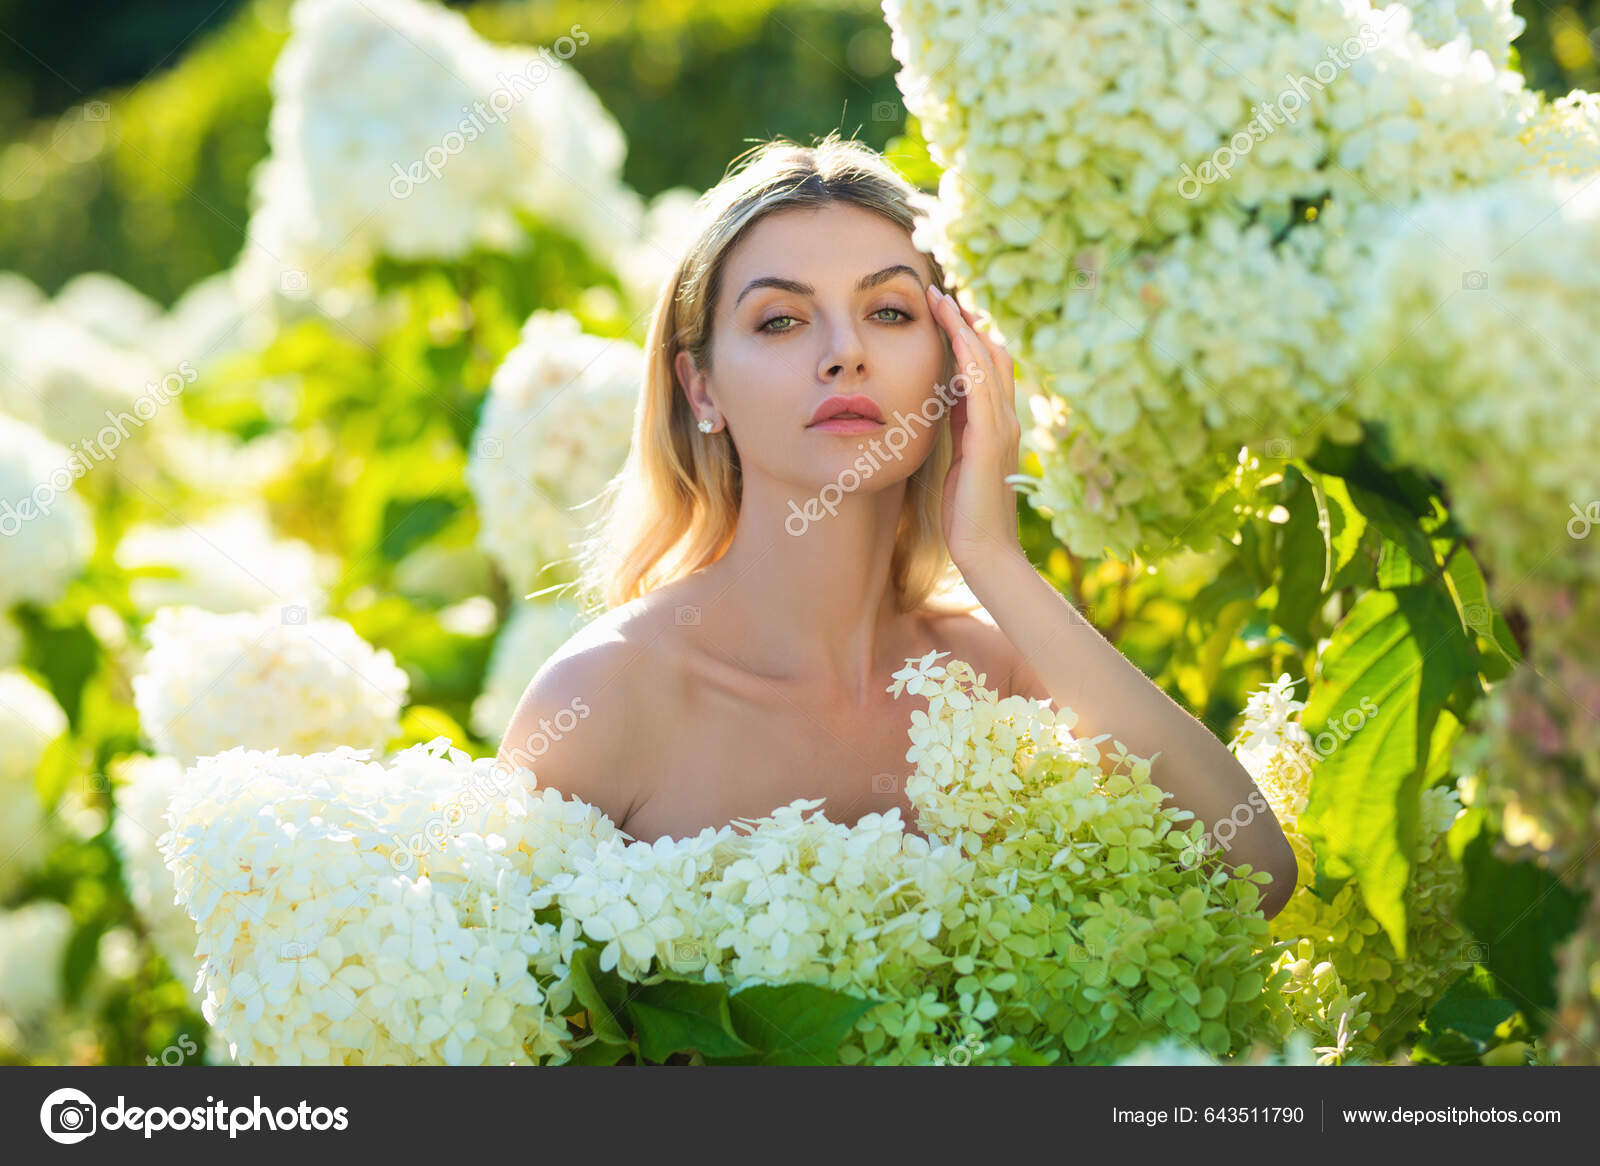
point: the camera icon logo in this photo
(68, 1116)
(1474, 280)
(686, 616)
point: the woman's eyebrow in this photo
(805, 289)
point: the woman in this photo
(822, 443)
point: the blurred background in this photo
(331, 449)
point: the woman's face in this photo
(794, 325)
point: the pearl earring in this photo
(706, 426)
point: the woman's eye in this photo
(774, 320)
(901, 311)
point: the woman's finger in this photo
(971, 354)
(1005, 398)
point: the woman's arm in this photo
(1081, 670)
(1078, 667)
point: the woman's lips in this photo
(848, 425)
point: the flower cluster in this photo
(1505, 276)
(48, 535)
(33, 943)
(30, 719)
(1366, 990)
(63, 378)
(273, 679)
(555, 429)
(396, 130)
(352, 911)
(230, 560)
(314, 948)
(1187, 268)
(144, 786)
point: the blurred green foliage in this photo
(151, 183)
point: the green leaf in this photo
(1445, 731)
(66, 654)
(793, 1024)
(1305, 560)
(1388, 670)
(603, 995)
(1461, 1026)
(1477, 611)
(600, 1052)
(1519, 913)
(410, 522)
(1021, 1054)
(1346, 523)
(421, 723)
(81, 957)
(674, 1016)
(1396, 567)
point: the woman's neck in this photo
(810, 602)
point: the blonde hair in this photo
(674, 505)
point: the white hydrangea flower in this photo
(352, 911)
(144, 786)
(229, 560)
(555, 428)
(1489, 25)
(431, 907)
(19, 294)
(46, 535)
(669, 227)
(530, 635)
(1173, 313)
(1563, 138)
(108, 308)
(211, 321)
(64, 379)
(269, 679)
(1347, 984)
(397, 130)
(33, 944)
(30, 720)
(225, 471)
(438, 573)
(1496, 394)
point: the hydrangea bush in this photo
(1187, 267)
(401, 132)
(1391, 990)
(555, 429)
(439, 907)
(275, 678)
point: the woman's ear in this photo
(693, 382)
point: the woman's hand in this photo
(980, 507)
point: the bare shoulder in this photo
(577, 713)
(975, 637)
